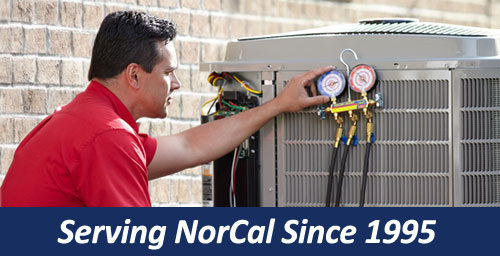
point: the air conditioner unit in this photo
(437, 136)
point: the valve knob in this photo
(379, 99)
(321, 113)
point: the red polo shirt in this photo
(88, 153)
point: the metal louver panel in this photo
(420, 28)
(412, 126)
(388, 28)
(480, 141)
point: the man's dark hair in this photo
(128, 37)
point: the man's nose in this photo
(176, 83)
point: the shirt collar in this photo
(120, 109)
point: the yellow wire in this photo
(215, 80)
(245, 86)
(204, 104)
(221, 89)
(251, 90)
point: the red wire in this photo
(230, 102)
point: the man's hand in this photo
(212, 140)
(295, 97)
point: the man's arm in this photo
(212, 140)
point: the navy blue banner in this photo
(249, 231)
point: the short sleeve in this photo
(112, 171)
(149, 144)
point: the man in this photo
(89, 152)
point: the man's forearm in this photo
(217, 138)
(209, 141)
(212, 140)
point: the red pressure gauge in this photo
(362, 78)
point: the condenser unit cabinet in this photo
(437, 135)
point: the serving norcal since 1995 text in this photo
(240, 232)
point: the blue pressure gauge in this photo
(331, 84)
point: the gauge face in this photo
(362, 78)
(331, 84)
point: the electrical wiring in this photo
(216, 97)
(210, 109)
(232, 105)
(213, 78)
(226, 108)
(231, 196)
(246, 86)
(230, 102)
(234, 174)
(232, 185)
(220, 103)
(213, 104)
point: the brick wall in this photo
(45, 48)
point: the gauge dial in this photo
(331, 84)
(362, 78)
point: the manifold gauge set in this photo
(362, 78)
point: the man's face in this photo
(156, 88)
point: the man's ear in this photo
(132, 75)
